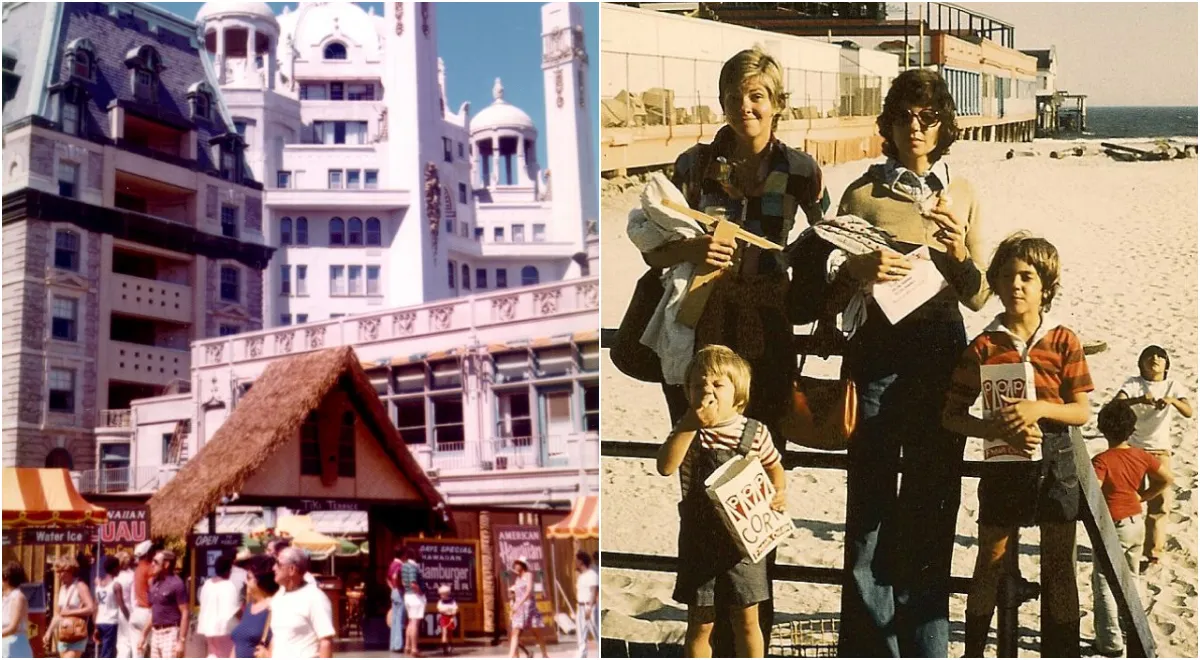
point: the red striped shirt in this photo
(728, 436)
(1060, 370)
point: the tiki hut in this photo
(292, 420)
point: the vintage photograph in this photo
(899, 303)
(301, 352)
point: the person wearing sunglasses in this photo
(895, 591)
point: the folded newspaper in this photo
(742, 493)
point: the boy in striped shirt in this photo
(711, 567)
(1024, 273)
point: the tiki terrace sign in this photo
(310, 505)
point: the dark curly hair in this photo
(919, 87)
(1116, 422)
(14, 573)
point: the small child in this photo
(1120, 471)
(1024, 273)
(447, 609)
(1155, 399)
(713, 431)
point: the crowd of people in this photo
(916, 378)
(259, 606)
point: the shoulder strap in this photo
(749, 432)
(266, 628)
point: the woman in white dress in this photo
(16, 613)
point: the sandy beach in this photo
(1126, 233)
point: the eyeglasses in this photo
(926, 118)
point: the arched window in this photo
(337, 232)
(200, 97)
(285, 231)
(335, 51)
(81, 59)
(466, 277)
(374, 235)
(346, 446)
(529, 276)
(302, 231)
(354, 234)
(145, 65)
(60, 458)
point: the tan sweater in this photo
(868, 198)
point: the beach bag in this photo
(824, 412)
(741, 492)
(71, 628)
(628, 354)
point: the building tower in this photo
(572, 174)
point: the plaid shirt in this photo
(793, 184)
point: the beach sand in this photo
(1126, 233)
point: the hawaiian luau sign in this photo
(742, 494)
(997, 381)
(127, 525)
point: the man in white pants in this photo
(139, 617)
(587, 595)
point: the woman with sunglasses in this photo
(895, 593)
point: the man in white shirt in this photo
(1155, 399)
(587, 595)
(301, 615)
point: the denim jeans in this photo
(899, 543)
(1130, 532)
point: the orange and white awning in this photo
(36, 496)
(582, 523)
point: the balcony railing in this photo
(152, 298)
(139, 363)
(115, 418)
(142, 479)
(510, 453)
(444, 317)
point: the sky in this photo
(482, 41)
(1118, 53)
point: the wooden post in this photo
(1108, 557)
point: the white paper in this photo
(1014, 381)
(900, 298)
(742, 493)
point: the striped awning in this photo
(37, 496)
(582, 523)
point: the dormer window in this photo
(335, 51)
(81, 60)
(227, 152)
(145, 66)
(200, 100)
(71, 100)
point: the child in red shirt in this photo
(1121, 471)
(1024, 273)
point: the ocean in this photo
(1141, 122)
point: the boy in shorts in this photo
(711, 567)
(1024, 273)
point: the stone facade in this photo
(41, 156)
(254, 214)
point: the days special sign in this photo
(742, 494)
(448, 561)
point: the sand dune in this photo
(1126, 233)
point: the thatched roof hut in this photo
(267, 418)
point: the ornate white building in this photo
(380, 193)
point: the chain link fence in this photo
(656, 90)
